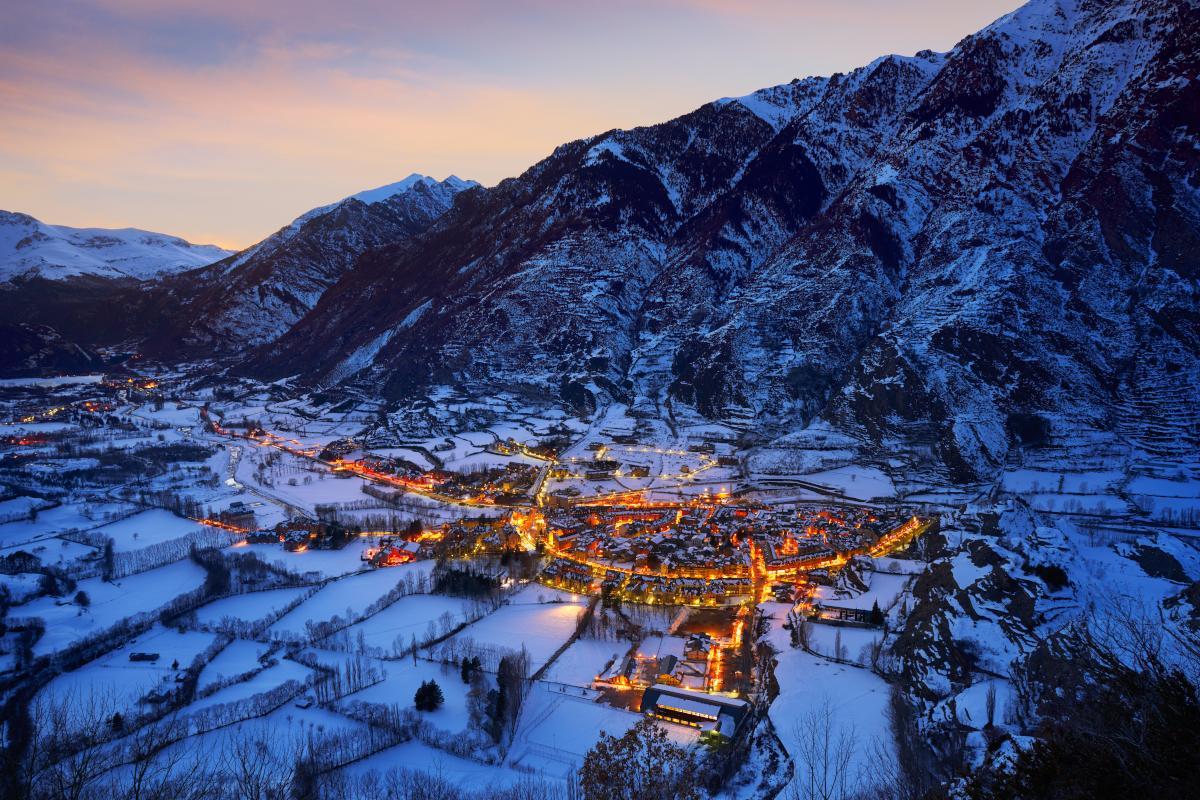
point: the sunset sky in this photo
(221, 121)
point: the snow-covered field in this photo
(461, 772)
(580, 663)
(884, 589)
(296, 481)
(525, 621)
(260, 682)
(116, 683)
(109, 603)
(250, 607)
(237, 658)
(420, 615)
(147, 528)
(559, 726)
(855, 643)
(20, 507)
(324, 563)
(856, 698)
(54, 552)
(403, 679)
(21, 586)
(346, 597)
(60, 519)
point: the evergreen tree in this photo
(108, 561)
(497, 709)
(429, 696)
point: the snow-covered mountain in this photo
(945, 254)
(244, 299)
(31, 248)
(258, 294)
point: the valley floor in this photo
(118, 625)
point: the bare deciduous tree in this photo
(824, 757)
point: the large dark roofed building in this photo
(708, 712)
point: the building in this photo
(708, 712)
(391, 553)
(848, 614)
(697, 647)
(239, 515)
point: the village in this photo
(710, 563)
(633, 572)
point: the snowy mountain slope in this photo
(31, 248)
(957, 251)
(241, 300)
(1004, 588)
(256, 295)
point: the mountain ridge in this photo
(858, 260)
(31, 248)
(240, 299)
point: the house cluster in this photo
(501, 539)
(509, 484)
(683, 542)
(684, 591)
(88, 405)
(393, 551)
(465, 537)
(665, 660)
(703, 552)
(570, 576)
(339, 449)
(547, 449)
(301, 533)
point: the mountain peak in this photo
(382, 193)
(30, 247)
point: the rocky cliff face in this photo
(958, 250)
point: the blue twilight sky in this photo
(221, 121)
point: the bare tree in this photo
(262, 767)
(824, 757)
(909, 766)
(64, 754)
(643, 764)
